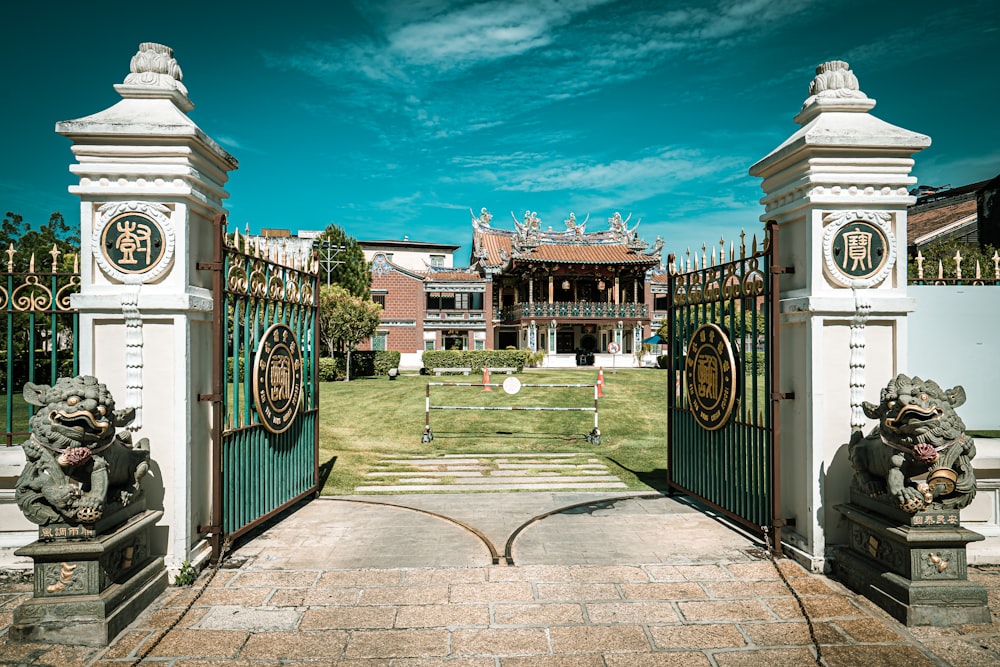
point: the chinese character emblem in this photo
(710, 371)
(277, 378)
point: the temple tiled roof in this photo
(923, 220)
(527, 244)
(582, 253)
(457, 275)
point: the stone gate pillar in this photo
(151, 183)
(838, 189)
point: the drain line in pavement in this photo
(788, 585)
(494, 554)
(215, 570)
(509, 557)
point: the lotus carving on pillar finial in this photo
(154, 65)
(835, 79)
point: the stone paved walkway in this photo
(707, 600)
(492, 472)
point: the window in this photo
(379, 340)
(437, 260)
(379, 299)
(428, 345)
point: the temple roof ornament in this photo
(484, 218)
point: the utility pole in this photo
(328, 252)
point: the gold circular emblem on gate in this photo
(710, 371)
(277, 378)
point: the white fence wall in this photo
(954, 338)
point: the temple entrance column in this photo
(151, 184)
(838, 189)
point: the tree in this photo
(345, 320)
(14, 231)
(342, 262)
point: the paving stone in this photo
(553, 661)
(515, 591)
(618, 573)
(532, 573)
(817, 607)
(875, 656)
(791, 633)
(598, 639)
(200, 643)
(663, 591)
(537, 614)
(658, 659)
(253, 597)
(242, 618)
(499, 642)
(639, 612)
(582, 591)
(294, 645)
(397, 643)
(346, 618)
(400, 595)
(333, 578)
(451, 575)
(275, 579)
(756, 658)
(745, 589)
(704, 636)
(868, 630)
(442, 616)
(724, 610)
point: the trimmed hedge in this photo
(476, 359)
(364, 363)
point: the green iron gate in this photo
(265, 390)
(723, 447)
(38, 333)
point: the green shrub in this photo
(329, 370)
(476, 359)
(748, 358)
(186, 575)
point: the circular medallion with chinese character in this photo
(133, 242)
(277, 378)
(859, 250)
(710, 371)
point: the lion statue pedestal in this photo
(94, 571)
(913, 473)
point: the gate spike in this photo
(10, 258)
(920, 265)
(958, 264)
(236, 239)
(732, 251)
(743, 244)
(704, 255)
(55, 252)
(76, 263)
(996, 265)
(979, 273)
(31, 264)
(753, 248)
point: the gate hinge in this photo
(209, 530)
(215, 398)
(782, 395)
(782, 269)
(209, 266)
(781, 523)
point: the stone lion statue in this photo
(78, 468)
(919, 435)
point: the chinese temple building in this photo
(572, 293)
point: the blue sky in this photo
(394, 118)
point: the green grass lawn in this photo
(366, 420)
